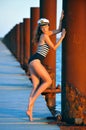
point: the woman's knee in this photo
(49, 81)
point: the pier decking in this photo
(15, 88)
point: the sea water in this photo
(58, 75)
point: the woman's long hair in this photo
(37, 35)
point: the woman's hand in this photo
(60, 23)
(63, 33)
(62, 15)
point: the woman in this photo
(37, 70)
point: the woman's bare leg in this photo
(44, 76)
(35, 81)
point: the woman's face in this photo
(45, 28)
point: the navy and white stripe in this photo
(43, 49)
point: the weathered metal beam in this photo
(48, 10)
(21, 45)
(18, 41)
(26, 28)
(74, 61)
(34, 15)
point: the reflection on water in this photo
(73, 128)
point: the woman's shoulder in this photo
(44, 36)
(42, 39)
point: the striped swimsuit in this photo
(43, 49)
(41, 53)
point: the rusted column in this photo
(21, 45)
(18, 41)
(11, 40)
(12, 43)
(34, 15)
(26, 28)
(74, 61)
(6, 39)
(48, 10)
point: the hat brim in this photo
(43, 24)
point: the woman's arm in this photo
(49, 42)
(60, 26)
(60, 39)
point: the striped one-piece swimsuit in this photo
(43, 49)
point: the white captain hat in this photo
(43, 21)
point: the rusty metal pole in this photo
(18, 41)
(26, 41)
(34, 15)
(48, 10)
(11, 40)
(21, 45)
(74, 62)
(14, 44)
(8, 36)
(14, 41)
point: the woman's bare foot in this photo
(29, 114)
(29, 111)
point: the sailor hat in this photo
(43, 21)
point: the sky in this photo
(12, 12)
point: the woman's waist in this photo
(36, 56)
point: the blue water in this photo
(58, 75)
